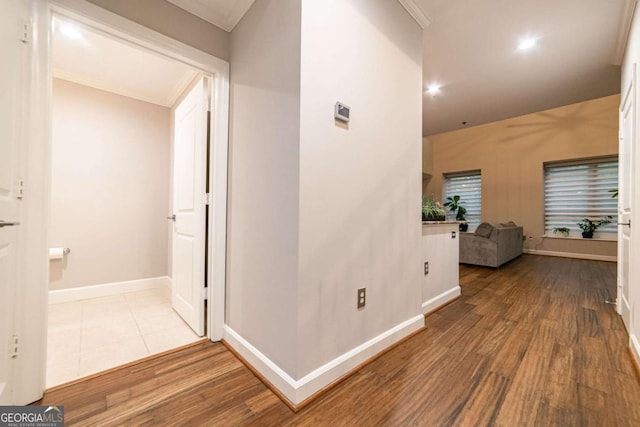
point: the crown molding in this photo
(623, 31)
(416, 12)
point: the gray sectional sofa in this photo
(491, 245)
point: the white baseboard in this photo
(106, 289)
(296, 391)
(441, 299)
(634, 344)
(572, 255)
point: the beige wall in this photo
(427, 156)
(174, 22)
(427, 164)
(511, 153)
(262, 241)
(110, 186)
(360, 184)
(317, 208)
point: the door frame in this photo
(628, 95)
(217, 70)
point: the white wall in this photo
(632, 58)
(318, 209)
(360, 186)
(110, 187)
(262, 242)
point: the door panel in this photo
(7, 324)
(24, 35)
(625, 198)
(10, 84)
(189, 187)
(11, 14)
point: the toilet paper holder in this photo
(58, 253)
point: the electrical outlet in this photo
(426, 268)
(362, 297)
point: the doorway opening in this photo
(128, 210)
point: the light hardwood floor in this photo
(532, 343)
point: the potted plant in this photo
(562, 230)
(431, 210)
(588, 227)
(455, 205)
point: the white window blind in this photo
(467, 185)
(578, 190)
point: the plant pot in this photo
(587, 234)
(464, 226)
(433, 217)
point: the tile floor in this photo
(92, 335)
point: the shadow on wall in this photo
(531, 136)
(56, 269)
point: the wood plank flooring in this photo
(532, 343)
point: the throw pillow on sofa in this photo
(484, 230)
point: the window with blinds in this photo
(577, 190)
(467, 185)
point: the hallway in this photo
(532, 343)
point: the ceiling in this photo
(221, 13)
(92, 59)
(470, 49)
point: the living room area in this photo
(544, 172)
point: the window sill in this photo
(597, 239)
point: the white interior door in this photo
(189, 207)
(10, 84)
(24, 32)
(625, 198)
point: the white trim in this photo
(623, 31)
(106, 289)
(441, 299)
(572, 255)
(217, 233)
(416, 12)
(634, 345)
(132, 33)
(169, 100)
(297, 391)
(594, 239)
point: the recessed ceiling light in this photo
(71, 32)
(527, 44)
(434, 89)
